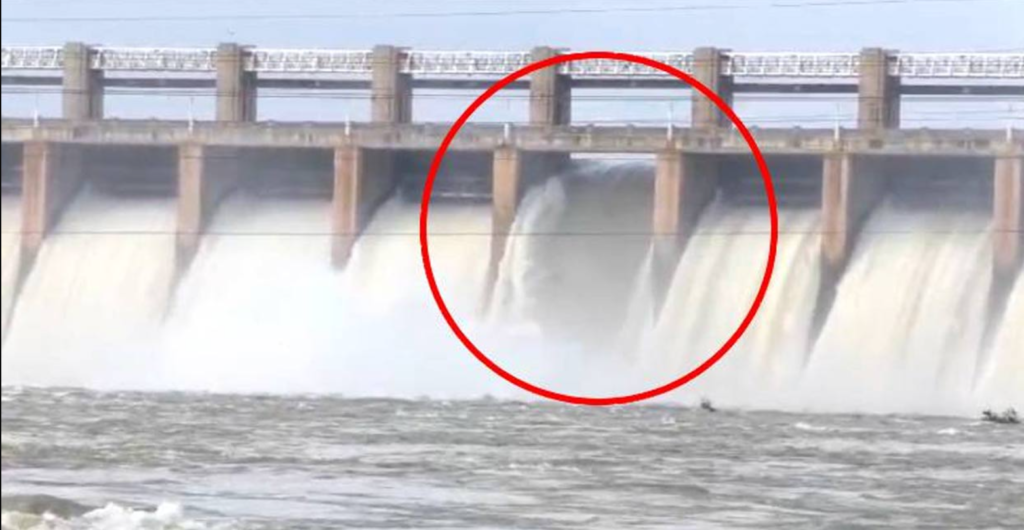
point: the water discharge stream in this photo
(261, 309)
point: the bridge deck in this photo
(486, 137)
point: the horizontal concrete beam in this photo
(486, 137)
(482, 83)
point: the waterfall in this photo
(96, 294)
(10, 254)
(906, 329)
(261, 308)
(713, 287)
(1002, 380)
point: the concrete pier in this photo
(82, 86)
(52, 175)
(205, 176)
(390, 89)
(363, 179)
(684, 184)
(878, 99)
(851, 188)
(508, 186)
(1008, 216)
(708, 68)
(236, 88)
(550, 92)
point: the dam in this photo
(268, 253)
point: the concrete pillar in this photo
(878, 93)
(506, 192)
(236, 88)
(391, 90)
(852, 186)
(52, 176)
(708, 68)
(684, 185)
(1008, 216)
(83, 86)
(363, 179)
(550, 92)
(205, 176)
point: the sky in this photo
(640, 25)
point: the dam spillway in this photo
(261, 308)
(247, 255)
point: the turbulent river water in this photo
(177, 460)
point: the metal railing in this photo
(496, 63)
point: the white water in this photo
(1002, 378)
(96, 294)
(10, 250)
(906, 329)
(713, 288)
(166, 516)
(267, 312)
(261, 309)
(277, 317)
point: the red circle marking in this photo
(611, 400)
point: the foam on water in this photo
(166, 516)
(10, 250)
(96, 294)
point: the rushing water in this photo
(10, 250)
(380, 418)
(261, 309)
(712, 290)
(1002, 377)
(96, 294)
(907, 326)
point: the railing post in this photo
(236, 88)
(878, 97)
(82, 86)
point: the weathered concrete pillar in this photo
(391, 90)
(708, 68)
(363, 179)
(52, 176)
(852, 186)
(205, 176)
(878, 93)
(236, 88)
(684, 185)
(83, 86)
(550, 92)
(1008, 216)
(506, 192)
